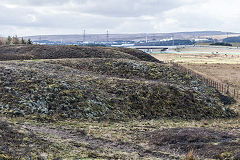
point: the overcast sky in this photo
(34, 17)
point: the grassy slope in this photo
(108, 87)
(116, 85)
(56, 52)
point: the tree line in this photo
(14, 40)
(232, 40)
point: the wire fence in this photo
(221, 87)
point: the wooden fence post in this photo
(225, 89)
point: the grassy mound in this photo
(24, 52)
(104, 88)
(122, 68)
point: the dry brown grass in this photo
(219, 67)
(219, 37)
(198, 58)
(190, 155)
(224, 73)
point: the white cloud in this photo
(30, 17)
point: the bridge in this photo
(149, 49)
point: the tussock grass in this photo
(190, 155)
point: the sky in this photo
(58, 17)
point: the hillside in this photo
(101, 83)
(232, 39)
(71, 102)
(129, 37)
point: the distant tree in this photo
(15, 40)
(23, 41)
(2, 41)
(221, 44)
(29, 41)
(9, 40)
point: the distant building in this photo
(201, 40)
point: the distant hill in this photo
(232, 40)
(128, 37)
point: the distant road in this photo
(189, 49)
(151, 49)
(154, 47)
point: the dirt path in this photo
(78, 137)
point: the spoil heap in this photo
(101, 83)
